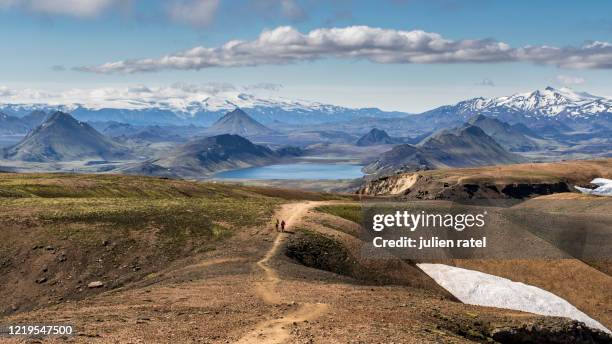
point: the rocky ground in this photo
(515, 181)
(247, 290)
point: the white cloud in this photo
(285, 45)
(74, 8)
(592, 55)
(24, 95)
(5, 91)
(197, 13)
(569, 80)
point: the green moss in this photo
(220, 232)
(58, 185)
(170, 216)
(349, 212)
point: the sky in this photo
(403, 55)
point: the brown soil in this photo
(247, 291)
(516, 181)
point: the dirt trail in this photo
(278, 330)
(292, 214)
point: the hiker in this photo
(277, 224)
(282, 226)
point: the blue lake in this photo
(305, 171)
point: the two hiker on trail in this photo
(281, 224)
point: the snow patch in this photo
(478, 288)
(604, 189)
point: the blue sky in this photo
(45, 40)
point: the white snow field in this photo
(604, 189)
(478, 288)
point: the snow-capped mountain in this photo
(175, 105)
(21, 110)
(550, 102)
(185, 105)
(554, 113)
(546, 103)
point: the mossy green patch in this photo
(172, 216)
(351, 212)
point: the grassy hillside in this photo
(61, 231)
(351, 212)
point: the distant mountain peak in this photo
(237, 112)
(376, 137)
(208, 155)
(464, 146)
(239, 122)
(444, 135)
(59, 115)
(511, 138)
(473, 130)
(62, 138)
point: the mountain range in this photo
(204, 110)
(546, 124)
(465, 146)
(540, 106)
(63, 138)
(549, 102)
